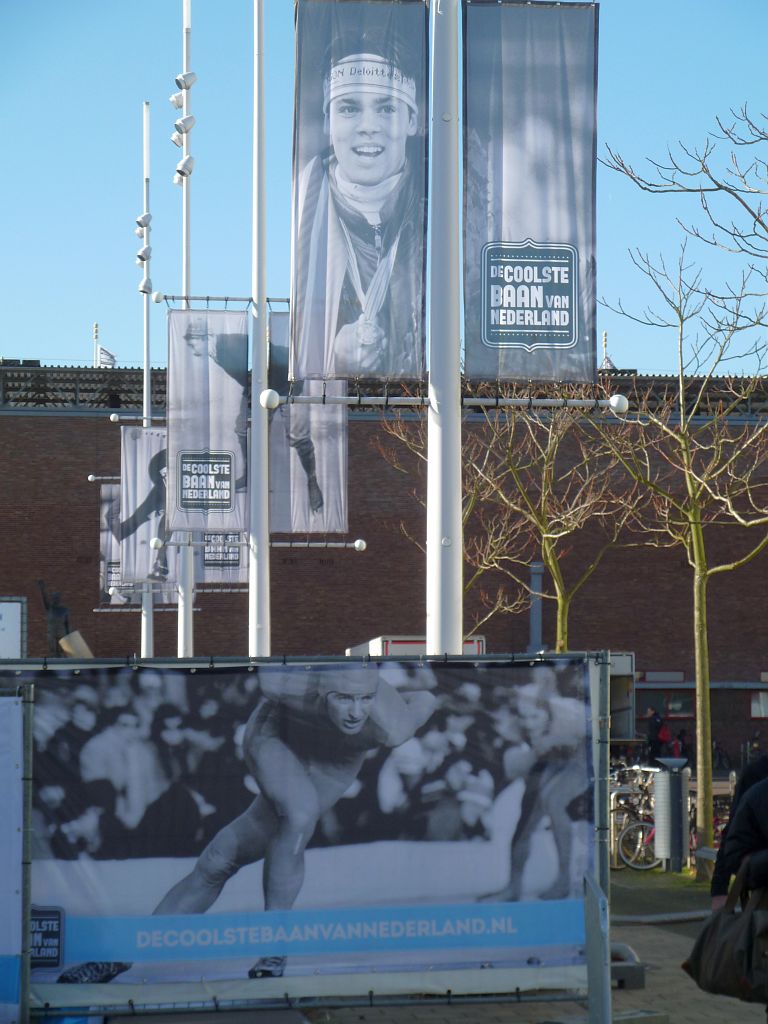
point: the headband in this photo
(369, 73)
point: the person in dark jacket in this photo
(748, 836)
(752, 774)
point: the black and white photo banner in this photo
(530, 87)
(143, 471)
(112, 589)
(308, 483)
(411, 817)
(207, 420)
(360, 171)
(11, 858)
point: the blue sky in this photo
(73, 78)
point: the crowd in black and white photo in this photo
(149, 763)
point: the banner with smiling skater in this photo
(359, 191)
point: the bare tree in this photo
(534, 482)
(731, 192)
(697, 457)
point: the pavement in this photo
(657, 915)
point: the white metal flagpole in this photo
(147, 621)
(444, 528)
(258, 478)
(185, 636)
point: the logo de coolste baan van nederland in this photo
(529, 295)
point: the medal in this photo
(368, 331)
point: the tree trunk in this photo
(704, 812)
(561, 636)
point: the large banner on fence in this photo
(530, 84)
(289, 821)
(207, 420)
(307, 449)
(11, 797)
(359, 193)
(142, 517)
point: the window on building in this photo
(669, 703)
(759, 704)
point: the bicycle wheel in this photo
(636, 846)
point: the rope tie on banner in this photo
(325, 384)
(210, 662)
(208, 301)
(386, 394)
(530, 403)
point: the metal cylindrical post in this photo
(258, 549)
(147, 619)
(445, 547)
(185, 639)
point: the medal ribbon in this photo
(372, 300)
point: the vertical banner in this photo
(143, 467)
(530, 87)
(222, 558)
(359, 190)
(110, 575)
(11, 815)
(207, 420)
(307, 449)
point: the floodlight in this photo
(139, 232)
(185, 167)
(269, 399)
(619, 404)
(144, 220)
(158, 296)
(177, 179)
(177, 100)
(186, 80)
(177, 139)
(144, 253)
(360, 545)
(185, 124)
(145, 286)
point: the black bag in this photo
(730, 955)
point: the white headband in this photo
(368, 73)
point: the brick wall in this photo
(326, 600)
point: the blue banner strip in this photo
(10, 973)
(490, 926)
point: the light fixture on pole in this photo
(185, 166)
(185, 124)
(185, 80)
(145, 286)
(177, 100)
(144, 254)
